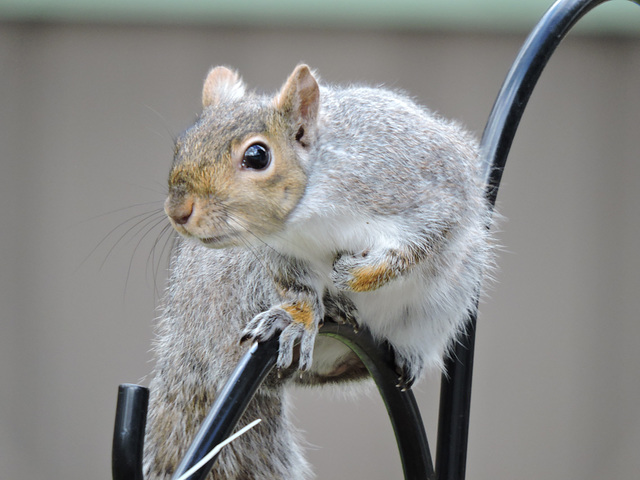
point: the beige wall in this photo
(87, 115)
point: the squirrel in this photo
(349, 203)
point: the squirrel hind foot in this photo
(340, 309)
(408, 368)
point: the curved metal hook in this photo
(455, 390)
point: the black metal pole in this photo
(402, 407)
(455, 405)
(455, 393)
(518, 85)
(231, 403)
(128, 432)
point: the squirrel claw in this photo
(340, 309)
(289, 337)
(408, 369)
(265, 325)
(405, 382)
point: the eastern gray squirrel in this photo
(354, 204)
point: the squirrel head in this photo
(240, 170)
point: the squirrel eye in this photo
(256, 157)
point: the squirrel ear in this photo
(220, 83)
(300, 98)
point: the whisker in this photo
(161, 191)
(255, 254)
(135, 205)
(151, 254)
(162, 187)
(277, 235)
(253, 250)
(164, 123)
(171, 240)
(155, 223)
(149, 217)
(155, 267)
(247, 244)
(113, 230)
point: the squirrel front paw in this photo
(361, 272)
(296, 323)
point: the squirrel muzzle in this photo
(179, 210)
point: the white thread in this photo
(217, 449)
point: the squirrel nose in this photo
(179, 211)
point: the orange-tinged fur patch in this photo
(301, 312)
(371, 277)
(199, 179)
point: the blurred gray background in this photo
(91, 98)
